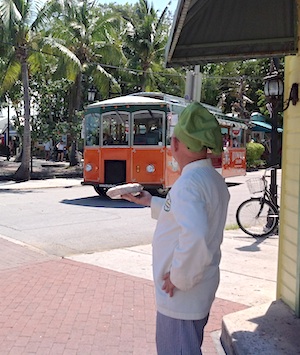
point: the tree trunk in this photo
(74, 154)
(23, 172)
(75, 105)
(145, 67)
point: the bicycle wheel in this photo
(257, 217)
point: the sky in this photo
(157, 4)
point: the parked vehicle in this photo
(127, 139)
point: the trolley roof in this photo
(158, 98)
(127, 100)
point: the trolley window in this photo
(172, 120)
(115, 128)
(148, 126)
(92, 129)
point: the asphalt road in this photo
(66, 221)
(75, 220)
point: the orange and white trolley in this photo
(127, 139)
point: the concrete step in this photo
(268, 329)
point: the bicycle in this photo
(258, 216)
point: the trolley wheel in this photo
(100, 191)
(160, 192)
(257, 217)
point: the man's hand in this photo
(168, 287)
(144, 198)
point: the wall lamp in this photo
(273, 87)
(294, 96)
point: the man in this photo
(188, 235)
(48, 147)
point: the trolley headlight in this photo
(150, 168)
(88, 167)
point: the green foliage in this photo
(145, 39)
(236, 86)
(52, 107)
(254, 151)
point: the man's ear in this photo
(175, 143)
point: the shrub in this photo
(254, 151)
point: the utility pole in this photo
(273, 89)
(193, 84)
(8, 132)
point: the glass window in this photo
(173, 115)
(115, 128)
(91, 133)
(148, 127)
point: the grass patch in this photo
(231, 227)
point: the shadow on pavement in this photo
(97, 201)
(18, 191)
(255, 246)
(230, 184)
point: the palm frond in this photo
(9, 12)
(54, 44)
(11, 75)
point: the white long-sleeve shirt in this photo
(187, 240)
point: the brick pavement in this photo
(50, 305)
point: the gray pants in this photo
(179, 337)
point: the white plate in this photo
(117, 191)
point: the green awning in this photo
(221, 30)
(263, 127)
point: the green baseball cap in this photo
(198, 128)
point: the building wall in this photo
(288, 288)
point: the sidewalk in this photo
(40, 169)
(58, 306)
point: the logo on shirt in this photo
(167, 206)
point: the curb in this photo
(41, 184)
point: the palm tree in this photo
(147, 35)
(20, 21)
(92, 36)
